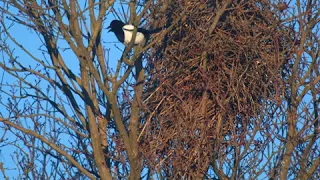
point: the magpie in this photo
(124, 33)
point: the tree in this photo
(226, 90)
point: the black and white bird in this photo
(124, 33)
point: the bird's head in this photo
(115, 25)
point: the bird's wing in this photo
(128, 27)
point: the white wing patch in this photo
(128, 30)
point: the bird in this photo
(124, 32)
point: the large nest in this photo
(204, 87)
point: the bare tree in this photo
(225, 90)
(70, 121)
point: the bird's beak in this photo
(109, 28)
